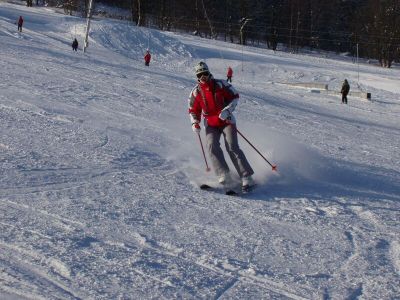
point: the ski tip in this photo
(231, 193)
(205, 187)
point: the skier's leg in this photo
(213, 135)
(237, 156)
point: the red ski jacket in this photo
(20, 21)
(230, 72)
(210, 98)
(147, 57)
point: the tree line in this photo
(367, 28)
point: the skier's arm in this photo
(194, 108)
(231, 97)
(231, 106)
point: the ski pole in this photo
(204, 155)
(237, 130)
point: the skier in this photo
(345, 91)
(20, 22)
(147, 58)
(229, 74)
(217, 99)
(75, 45)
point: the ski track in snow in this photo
(98, 186)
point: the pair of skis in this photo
(232, 192)
(229, 191)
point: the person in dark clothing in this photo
(75, 45)
(20, 22)
(345, 91)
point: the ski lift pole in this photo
(244, 22)
(358, 70)
(89, 16)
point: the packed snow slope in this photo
(100, 167)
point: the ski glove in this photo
(225, 115)
(196, 127)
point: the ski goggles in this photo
(206, 74)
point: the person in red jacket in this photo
(216, 100)
(147, 58)
(229, 74)
(20, 22)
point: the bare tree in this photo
(212, 32)
(137, 12)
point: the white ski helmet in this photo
(201, 67)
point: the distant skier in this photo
(75, 45)
(147, 58)
(345, 91)
(229, 74)
(20, 22)
(216, 100)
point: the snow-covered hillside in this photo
(100, 167)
